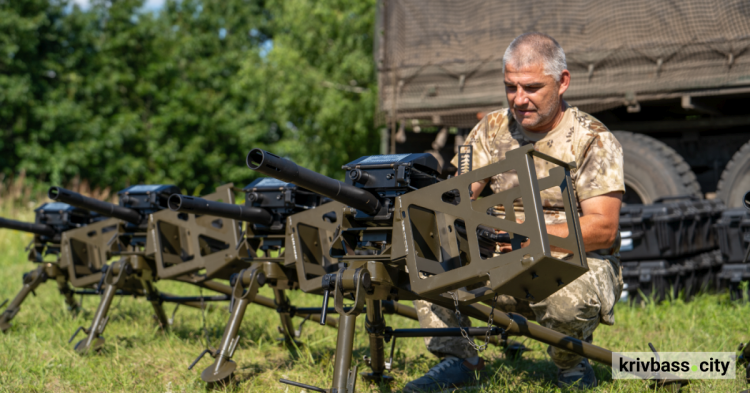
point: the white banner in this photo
(674, 365)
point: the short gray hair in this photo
(535, 48)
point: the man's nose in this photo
(520, 98)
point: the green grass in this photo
(35, 355)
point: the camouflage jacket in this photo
(579, 138)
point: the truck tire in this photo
(735, 180)
(654, 170)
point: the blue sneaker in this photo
(449, 374)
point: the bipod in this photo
(359, 281)
(246, 285)
(31, 281)
(345, 280)
(115, 278)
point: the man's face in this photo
(534, 98)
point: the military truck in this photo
(671, 79)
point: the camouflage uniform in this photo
(578, 308)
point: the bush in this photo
(120, 96)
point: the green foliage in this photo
(318, 81)
(39, 45)
(119, 96)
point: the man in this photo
(535, 80)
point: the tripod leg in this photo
(287, 327)
(153, 295)
(113, 279)
(342, 375)
(31, 281)
(223, 367)
(94, 340)
(64, 288)
(375, 325)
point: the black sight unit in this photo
(280, 199)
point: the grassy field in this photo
(35, 355)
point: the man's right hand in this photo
(476, 188)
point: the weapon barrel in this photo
(37, 229)
(188, 204)
(286, 170)
(104, 208)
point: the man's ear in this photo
(564, 82)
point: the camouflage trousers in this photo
(575, 310)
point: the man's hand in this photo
(599, 221)
(476, 188)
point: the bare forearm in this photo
(598, 232)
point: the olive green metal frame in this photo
(179, 235)
(310, 235)
(84, 251)
(425, 235)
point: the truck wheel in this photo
(735, 180)
(654, 170)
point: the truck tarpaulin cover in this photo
(441, 61)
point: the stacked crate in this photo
(733, 230)
(669, 247)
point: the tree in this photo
(204, 125)
(39, 45)
(119, 96)
(318, 82)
